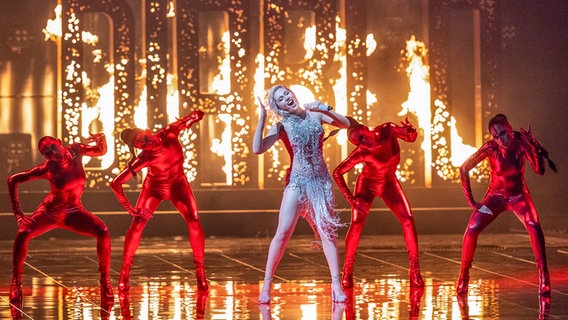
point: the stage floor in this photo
(61, 280)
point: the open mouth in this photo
(290, 103)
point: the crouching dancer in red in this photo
(162, 154)
(506, 153)
(61, 208)
(379, 150)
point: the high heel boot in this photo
(544, 283)
(264, 296)
(347, 279)
(414, 274)
(338, 296)
(463, 281)
(16, 290)
(201, 280)
(124, 280)
(106, 287)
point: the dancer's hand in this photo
(261, 109)
(406, 124)
(143, 213)
(485, 210)
(528, 138)
(191, 118)
(360, 205)
(23, 219)
(196, 115)
(95, 137)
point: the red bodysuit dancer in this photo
(379, 150)
(61, 208)
(162, 154)
(506, 153)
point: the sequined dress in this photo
(310, 176)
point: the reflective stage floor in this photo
(61, 281)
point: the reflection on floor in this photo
(61, 282)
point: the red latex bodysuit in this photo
(507, 190)
(62, 207)
(163, 155)
(380, 152)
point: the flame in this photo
(102, 112)
(171, 9)
(371, 44)
(418, 101)
(172, 99)
(460, 151)
(52, 30)
(222, 147)
(340, 85)
(450, 157)
(310, 42)
(221, 83)
(141, 110)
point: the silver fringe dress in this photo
(310, 176)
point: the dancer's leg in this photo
(526, 212)
(332, 256)
(131, 244)
(396, 200)
(40, 224)
(287, 219)
(358, 218)
(86, 223)
(477, 223)
(364, 196)
(134, 236)
(184, 200)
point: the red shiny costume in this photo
(162, 154)
(380, 152)
(61, 208)
(506, 153)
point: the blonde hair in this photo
(272, 100)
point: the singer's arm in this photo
(328, 115)
(335, 119)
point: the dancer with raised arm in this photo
(379, 151)
(308, 190)
(61, 208)
(162, 154)
(506, 152)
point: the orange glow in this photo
(221, 85)
(310, 42)
(222, 81)
(451, 154)
(52, 30)
(418, 102)
(222, 147)
(102, 112)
